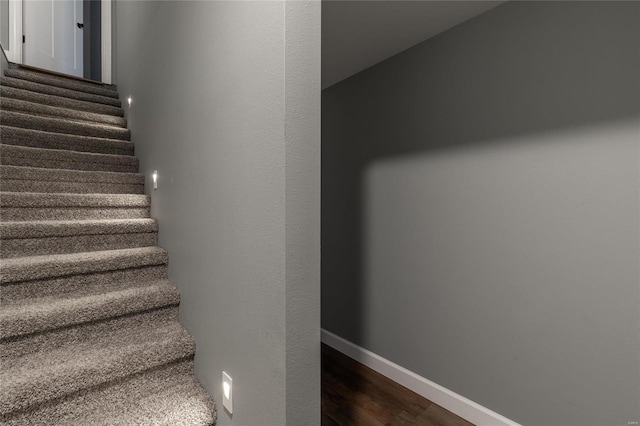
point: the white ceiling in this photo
(358, 34)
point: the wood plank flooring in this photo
(353, 394)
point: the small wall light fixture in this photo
(227, 392)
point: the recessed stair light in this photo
(227, 392)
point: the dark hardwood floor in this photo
(353, 394)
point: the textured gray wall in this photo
(207, 80)
(480, 211)
(4, 63)
(302, 181)
(4, 23)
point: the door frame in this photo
(105, 39)
(14, 50)
(14, 54)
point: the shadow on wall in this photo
(480, 211)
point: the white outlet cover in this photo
(227, 392)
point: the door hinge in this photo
(23, 38)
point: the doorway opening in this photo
(65, 36)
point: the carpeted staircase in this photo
(89, 327)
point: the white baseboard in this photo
(457, 404)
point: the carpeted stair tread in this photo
(165, 396)
(61, 76)
(59, 101)
(61, 228)
(49, 140)
(63, 83)
(29, 173)
(13, 349)
(63, 125)
(41, 377)
(34, 108)
(75, 244)
(15, 155)
(40, 314)
(35, 179)
(37, 238)
(25, 206)
(47, 200)
(56, 186)
(40, 267)
(57, 91)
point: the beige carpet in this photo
(89, 324)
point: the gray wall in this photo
(212, 112)
(4, 62)
(480, 211)
(302, 204)
(4, 23)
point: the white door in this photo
(53, 38)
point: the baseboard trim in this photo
(457, 404)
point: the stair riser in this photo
(52, 163)
(21, 214)
(65, 84)
(52, 228)
(17, 105)
(38, 139)
(11, 185)
(74, 244)
(106, 281)
(54, 125)
(56, 91)
(60, 102)
(95, 307)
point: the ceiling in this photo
(358, 34)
